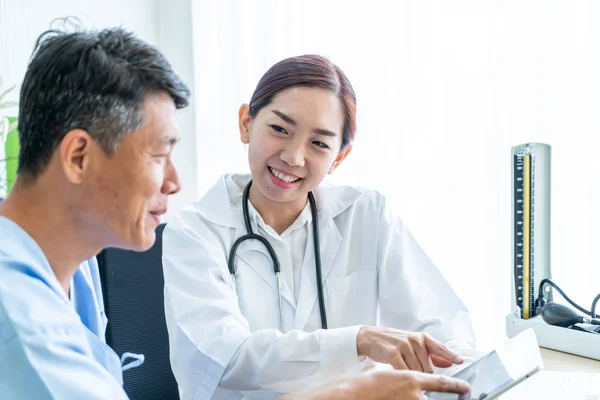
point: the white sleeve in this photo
(414, 296)
(211, 343)
(292, 361)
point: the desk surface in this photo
(557, 361)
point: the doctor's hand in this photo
(384, 385)
(404, 350)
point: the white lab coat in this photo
(373, 270)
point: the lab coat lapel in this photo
(330, 239)
(331, 202)
(218, 208)
(253, 254)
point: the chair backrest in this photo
(133, 289)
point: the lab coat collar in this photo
(331, 200)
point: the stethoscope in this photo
(276, 268)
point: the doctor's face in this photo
(294, 142)
(128, 191)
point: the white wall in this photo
(175, 41)
(21, 21)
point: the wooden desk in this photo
(553, 361)
(557, 361)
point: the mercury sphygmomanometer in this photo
(531, 244)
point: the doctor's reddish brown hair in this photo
(308, 71)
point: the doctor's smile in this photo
(282, 179)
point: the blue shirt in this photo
(51, 348)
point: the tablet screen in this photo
(493, 374)
(487, 376)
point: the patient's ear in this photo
(340, 157)
(74, 154)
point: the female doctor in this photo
(328, 281)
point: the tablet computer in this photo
(498, 371)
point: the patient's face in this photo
(129, 190)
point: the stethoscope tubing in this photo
(276, 266)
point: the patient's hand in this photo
(384, 385)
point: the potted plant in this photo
(9, 142)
